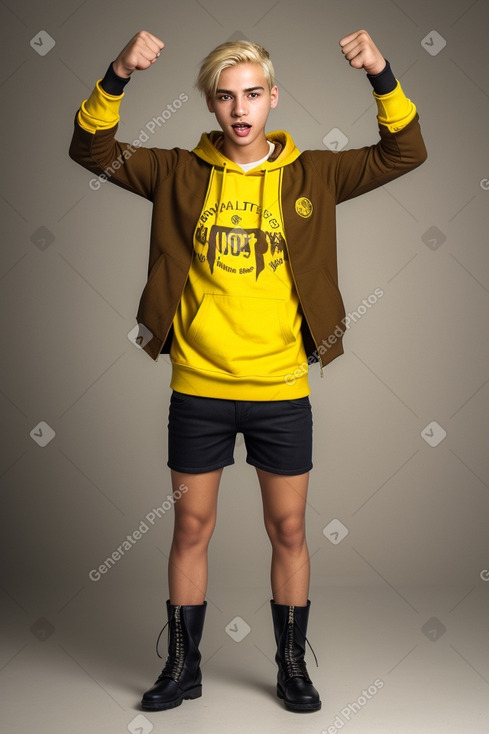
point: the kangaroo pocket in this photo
(241, 335)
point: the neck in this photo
(245, 154)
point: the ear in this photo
(210, 105)
(273, 97)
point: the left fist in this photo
(362, 53)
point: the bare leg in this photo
(284, 504)
(195, 519)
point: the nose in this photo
(239, 107)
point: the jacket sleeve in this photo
(94, 147)
(401, 148)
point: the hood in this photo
(210, 144)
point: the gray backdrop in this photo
(399, 493)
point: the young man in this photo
(242, 293)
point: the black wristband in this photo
(383, 82)
(112, 83)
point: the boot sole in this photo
(157, 706)
(299, 707)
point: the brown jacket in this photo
(176, 182)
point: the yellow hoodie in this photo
(237, 328)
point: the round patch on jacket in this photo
(303, 207)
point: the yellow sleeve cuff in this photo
(100, 111)
(394, 110)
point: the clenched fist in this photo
(362, 53)
(141, 51)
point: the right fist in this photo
(141, 51)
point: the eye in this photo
(254, 95)
(223, 97)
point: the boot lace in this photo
(176, 653)
(295, 667)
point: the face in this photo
(241, 105)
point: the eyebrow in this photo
(228, 91)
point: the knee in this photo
(192, 530)
(288, 532)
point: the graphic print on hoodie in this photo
(237, 328)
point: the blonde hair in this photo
(229, 54)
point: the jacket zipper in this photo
(209, 184)
(293, 276)
(304, 314)
(166, 335)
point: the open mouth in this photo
(241, 128)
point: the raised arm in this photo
(93, 144)
(401, 147)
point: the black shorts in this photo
(202, 433)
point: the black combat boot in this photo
(181, 677)
(293, 683)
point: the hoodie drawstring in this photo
(221, 191)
